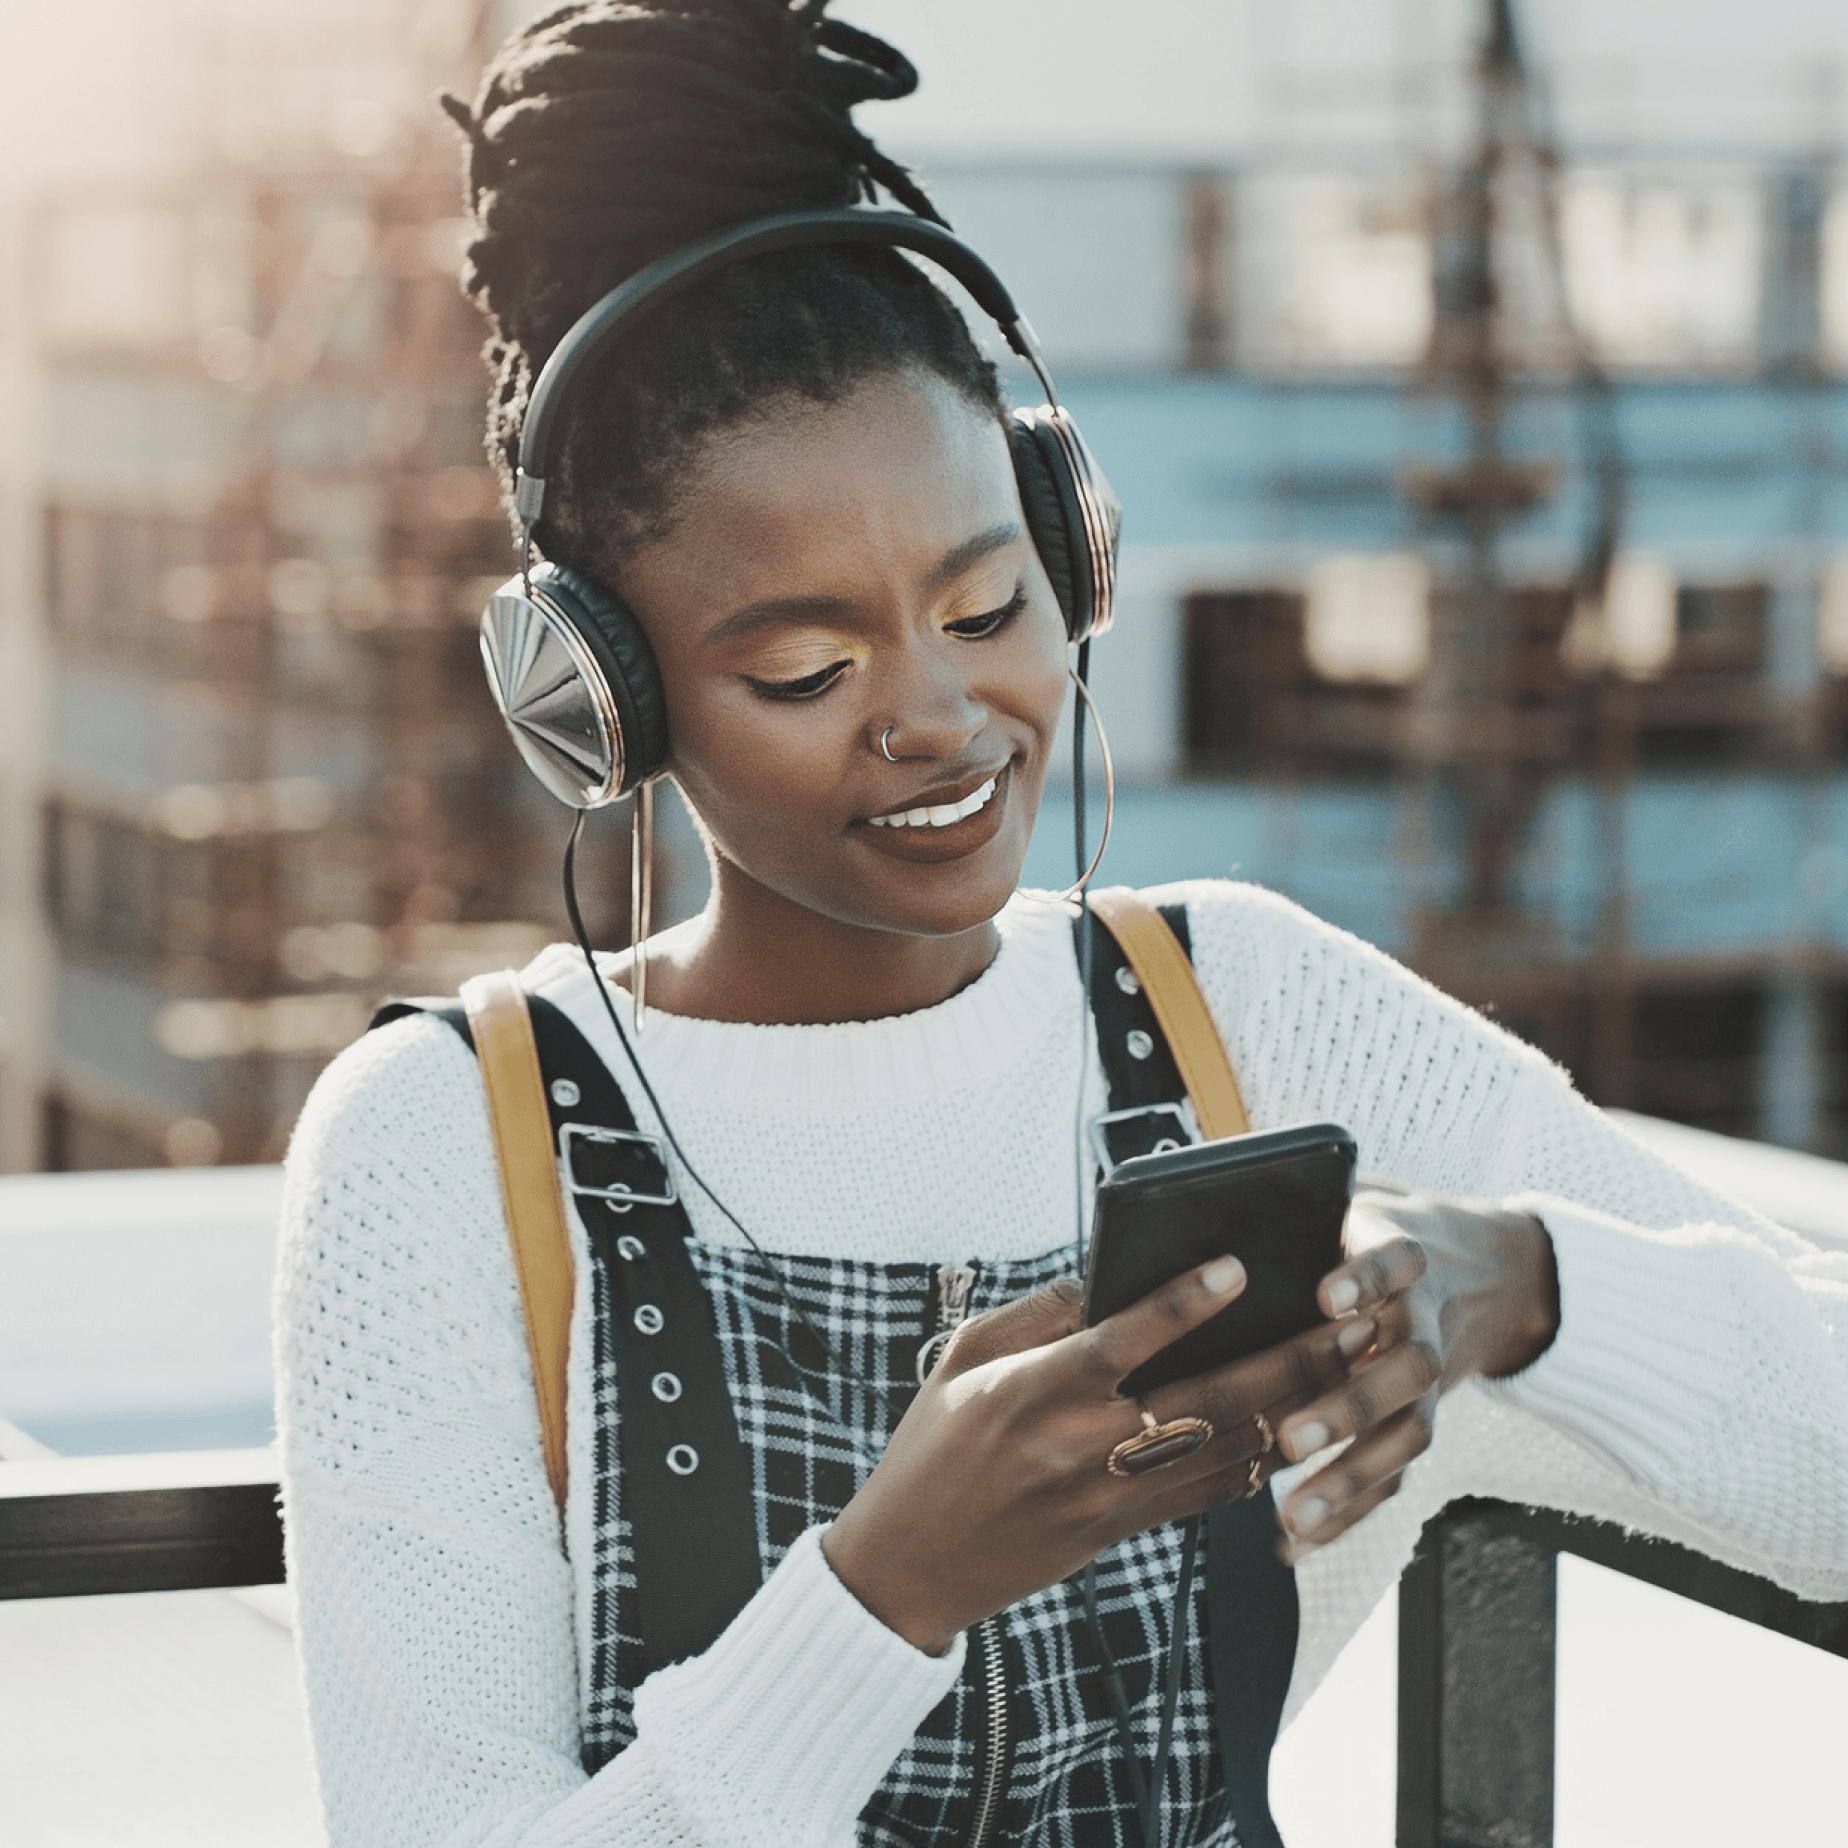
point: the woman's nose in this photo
(931, 706)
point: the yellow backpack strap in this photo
(1173, 991)
(503, 1032)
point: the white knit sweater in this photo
(1698, 1387)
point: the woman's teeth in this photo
(939, 817)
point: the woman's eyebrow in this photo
(959, 558)
(777, 612)
(788, 612)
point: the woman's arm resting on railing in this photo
(1649, 1407)
(1702, 1354)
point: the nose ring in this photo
(884, 750)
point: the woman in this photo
(875, 1051)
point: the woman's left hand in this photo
(1456, 1288)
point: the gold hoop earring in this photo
(641, 897)
(1103, 751)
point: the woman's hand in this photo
(1454, 1288)
(996, 1482)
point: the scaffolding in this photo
(280, 791)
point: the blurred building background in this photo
(266, 786)
(1476, 387)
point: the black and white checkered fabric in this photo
(812, 1442)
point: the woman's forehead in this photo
(898, 475)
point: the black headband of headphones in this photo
(663, 279)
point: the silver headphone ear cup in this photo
(577, 685)
(553, 697)
(628, 672)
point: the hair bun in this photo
(609, 133)
(849, 66)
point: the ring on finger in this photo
(1254, 1475)
(1267, 1438)
(1157, 1444)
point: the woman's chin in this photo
(941, 899)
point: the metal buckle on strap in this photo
(1185, 1122)
(619, 1194)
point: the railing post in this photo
(1477, 1639)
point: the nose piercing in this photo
(884, 750)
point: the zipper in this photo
(952, 1288)
(991, 1766)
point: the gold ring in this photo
(1267, 1438)
(1157, 1445)
(1254, 1476)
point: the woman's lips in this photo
(940, 815)
(926, 840)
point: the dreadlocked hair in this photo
(608, 134)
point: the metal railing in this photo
(73, 1527)
(1477, 1652)
(1477, 1610)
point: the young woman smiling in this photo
(876, 1051)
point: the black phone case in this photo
(1276, 1200)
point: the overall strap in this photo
(1141, 981)
(502, 1031)
(1156, 945)
(686, 1477)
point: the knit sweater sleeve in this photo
(1698, 1384)
(436, 1601)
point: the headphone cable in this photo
(1145, 1789)
(836, 1369)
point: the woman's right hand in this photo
(996, 1482)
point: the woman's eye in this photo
(806, 688)
(974, 628)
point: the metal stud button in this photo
(683, 1459)
(1126, 980)
(649, 1319)
(1138, 1043)
(666, 1387)
(631, 1247)
(565, 1093)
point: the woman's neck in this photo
(754, 956)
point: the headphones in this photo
(568, 664)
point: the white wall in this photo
(1228, 77)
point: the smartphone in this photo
(1276, 1200)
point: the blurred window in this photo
(1685, 1049)
(116, 579)
(1721, 628)
(1244, 657)
(76, 1134)
(1833, 281)
(1368, 617)
(1664, 273)
(1334, 272)
(100, 883)
(1697, 1054)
